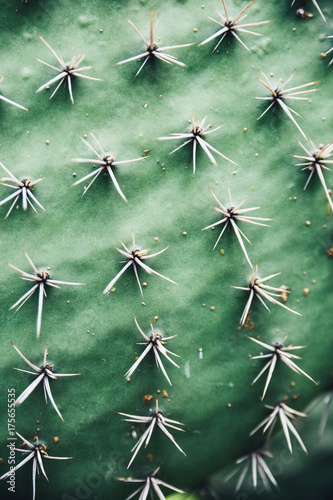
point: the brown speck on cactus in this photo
(41, 279)
(22, 188)
(309, 16)
(279, 95)
(152, 50)
(155, 419)
(66, 71)
(196, 137)
(106, 164)
(284, 294)
(42, 374)
(303, 14)
(135, 257)
(329, 253)
(258, 289)
(231, 26)
(147, 399)
(233, 214)
(5, 99)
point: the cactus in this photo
(77, 239)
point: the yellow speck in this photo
(74, 174)
(128, 379)
(229, 405)
(156, 239)
(155, 319)
(146, 399)
(37, 421)
(202, 6)
(306, 292)
(158, 391)
(47, 142)
(244, 129)
(87, 114)
(294, 29)
(203, 305)
(222, 251)
(212, 228)
(93, 334)
(144, 284)
(271, 74)
(195, 30)
(234, 172)
(308, 223)
(292, 384)
(313, 282)
(150, 457)
(101, 31)
(145, 106)
(113, 290)
(164, 394)
(295, 198)
(212, 308)
(184, 233)
(88, 331)
(257, 154)
(284, 295)
(56, 439)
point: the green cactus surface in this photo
(74, 240)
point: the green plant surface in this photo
(95, 335)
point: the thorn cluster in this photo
(135, 258)
(106, 164)
(317, 161)
(152, 50)
(41, 280)
(66, 71)
(231, 215)
(42, 374)
(280, 95)
(257, 288)
(286, 414)
(278, 352)
(155, 343)
(155, 419)
(35, 452)
(151, 483)
(196, 136)
(255, 460)
(232, 26)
